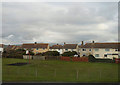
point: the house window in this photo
(83, 49)
(107, 49)
(96, 49)
(37, 52)
(66, 49)
(37, 48)
(116, 49)
(89, 49)
(83, 54)
(105, 55)
(96, 55)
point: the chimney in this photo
(93, 41)
(82, 43)
(64, 43)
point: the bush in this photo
(15, 53)
(105, 60)
(114, 59)
(91, 58)
(31, 53)
(20, 50)
(51, 53)
(69, 53)
(41, 54)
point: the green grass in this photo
(58, 71)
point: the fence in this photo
(81, 75)
(66, 58)
(33, 57)
(82, 59)
(27, 57)
(52, 57)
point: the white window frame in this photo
(83, 49)
(90, 49)
(116, 49)
(37, 48)
(97, 56)
(107, 49)
(84, 54)
(66, 49)
(96, 49)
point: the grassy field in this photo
(58, 71)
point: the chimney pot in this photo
(82, 43)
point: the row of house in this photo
(64, 48)
(99, 50)
(44, 47)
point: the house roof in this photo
(13, 47)
(101, 45)
(56, 47)
(69, 46)
(33, 45)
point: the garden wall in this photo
(27, 57)
(117, 60)
(81, 59)
(52, 57)
(39, 57)
(66, 58)
(34, 57)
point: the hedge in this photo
(69, 53)
(93, 59)
(105, 60)
(51, 53)
(15, 53)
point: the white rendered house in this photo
(100, 50)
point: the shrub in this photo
(91, 58)
(105, 60)
(69, 53)
(15, 53)
(114, 59)
(30, 52)
(40, 54)
(51, 53)
(20, 50)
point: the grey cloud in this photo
(59, 22)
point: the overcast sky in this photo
(59, 22)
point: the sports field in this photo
(58, 71)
